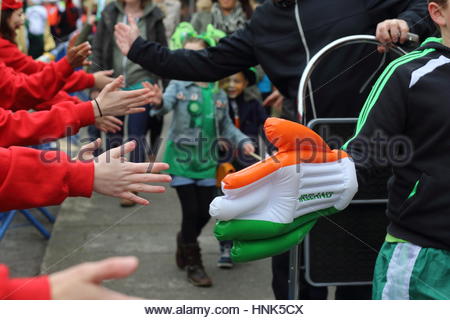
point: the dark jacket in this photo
(272, 39)
(405, 124)
(251, 115)
(104, 42)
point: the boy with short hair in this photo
(247, 113)
(404, 123)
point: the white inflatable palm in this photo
(269, 207)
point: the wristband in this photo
(98, 107)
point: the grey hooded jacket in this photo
(104, 45)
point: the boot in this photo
(180, 255)
(196, 273)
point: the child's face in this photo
(236, 85)
(227, 4)
(16, 20)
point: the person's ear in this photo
(437, 14)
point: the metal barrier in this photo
(342, 248)
(323, 278)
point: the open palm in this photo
(126, 34)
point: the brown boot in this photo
(196, 273)
(180, 255)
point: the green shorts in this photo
(404, 271)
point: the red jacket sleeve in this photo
(31, 178)
(12, 57)
(15, 59)
(37, 288)
(25, 128)
(20, 91)
(61, 96)
(79, 80)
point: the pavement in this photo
(23, 247)
(96, 228)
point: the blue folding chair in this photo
(6, 219)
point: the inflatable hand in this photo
(271, 206)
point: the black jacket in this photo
(272, 39)
(405, 124)
(103, 44)
(252, 115)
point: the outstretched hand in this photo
(116, 177)
(77, 55)
(103, 78)
(126, 34)
(156, 94)
(108, 124)
(83, 282)
(86, 152)
(115, 102)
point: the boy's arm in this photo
(382, 119)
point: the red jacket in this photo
(61, 96)
(32, 178)
(12, 57)
(37, 288)
(25, 128)
(21, 91)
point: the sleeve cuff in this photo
(85, 113)
(81, 179)
(64, 67)
(90, 79)
(132, 54)
(37, 288)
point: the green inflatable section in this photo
(259, 230)
(244, 251)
